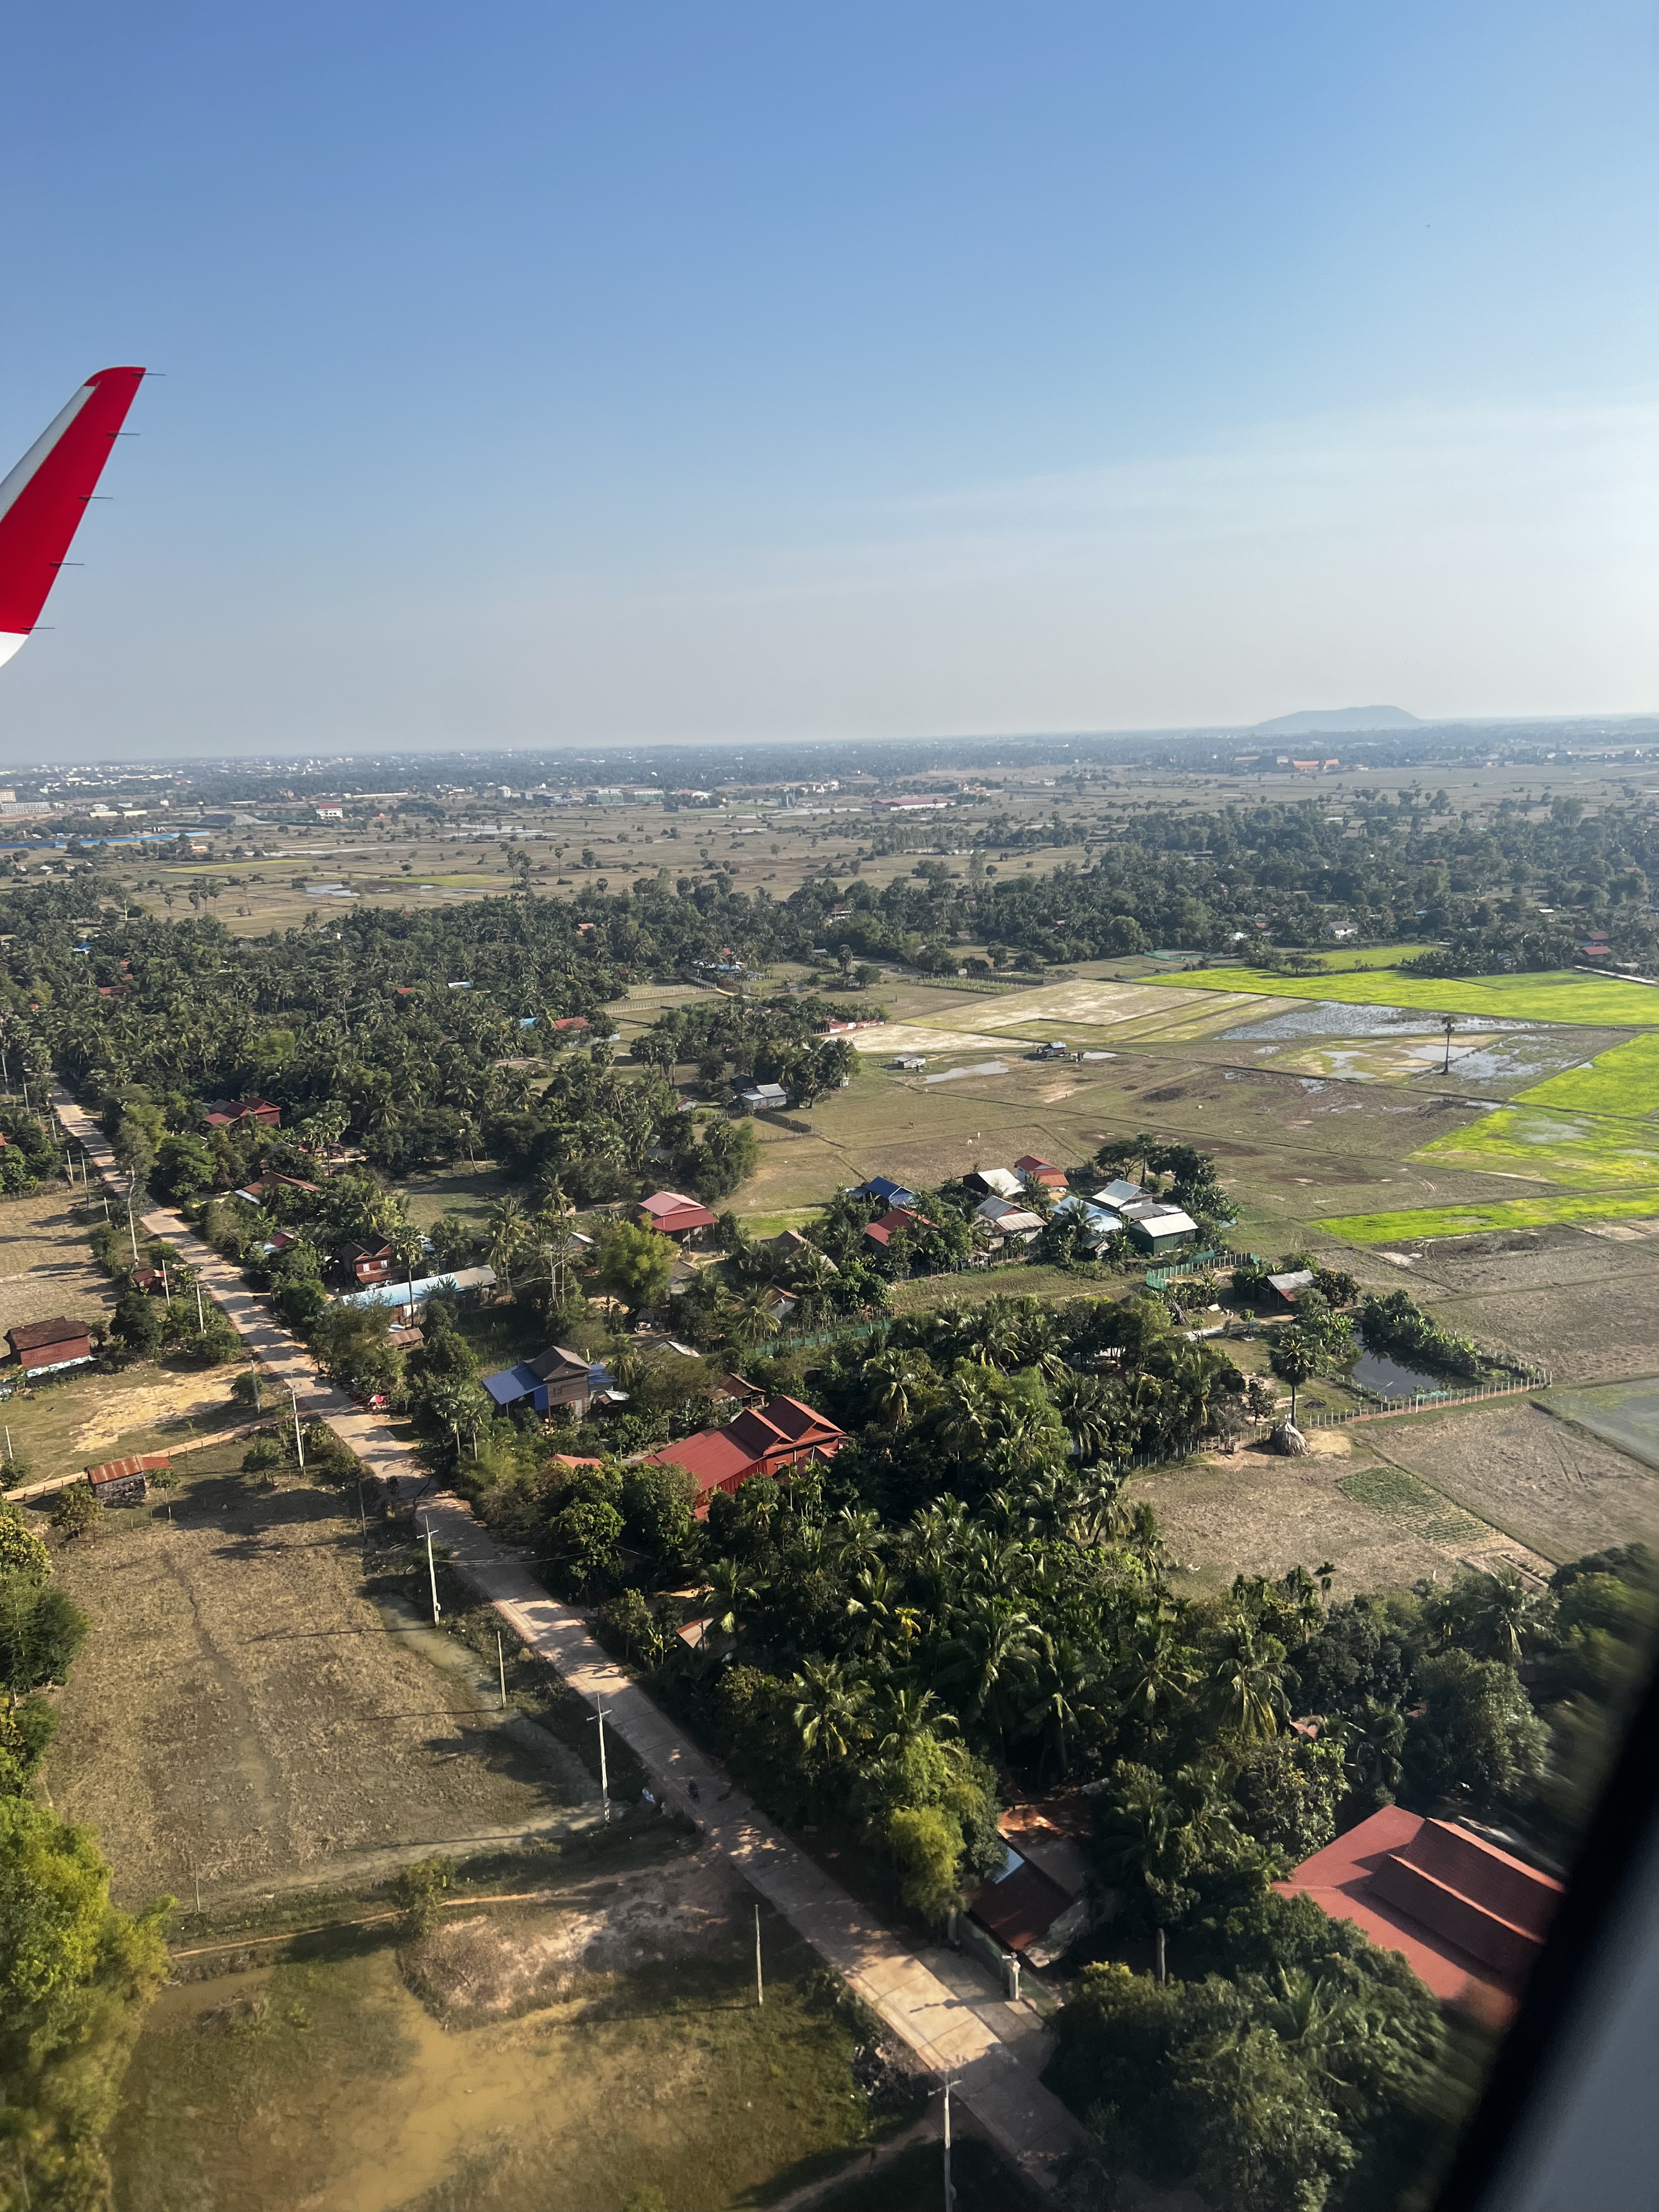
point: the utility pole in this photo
(599, 1717)
(131, 1233)
(759, 1986)
(1448, 1025)
(299, 1440)
(948, 2084)
(200, 1323)
(500, 1663)
(432, 1576)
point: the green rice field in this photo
(1587, 1152)
(1552, 996)
(1502, 1213)
(1625, 1081)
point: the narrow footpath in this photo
(934, 2003)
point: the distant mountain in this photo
(1321, 721)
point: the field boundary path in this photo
(994, 2049)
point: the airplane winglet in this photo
(45, 497)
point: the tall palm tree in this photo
(828, 1705)
(893, 1381)
(1247, 1683)
(509, 1227)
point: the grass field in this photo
(59, 1426)
(1259, 1514)
(606, 2039)
(1625, 1081)
(1556, 996)
(1499, 1214)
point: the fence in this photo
(1194, 1263)
(1540, 1378)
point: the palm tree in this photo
(752, 1320)
(907, 1713)
(1152, 1832)
(1155, 1670)
(509, 1226)
(1373, 1739)
(1247, 1685)
(893, 1382)
(992, 1656)
(1085, 1403)
(828, 1708)
(1296, 1357)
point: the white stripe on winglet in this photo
(37, 452)
(9, 642)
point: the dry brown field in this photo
(243, 1714)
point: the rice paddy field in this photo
(1625, 1081)
(1558, 995)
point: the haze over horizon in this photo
(592, 381)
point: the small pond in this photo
(1386, 1378)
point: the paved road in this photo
(934, 2003)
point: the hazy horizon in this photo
(605, 382)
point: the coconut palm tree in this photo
(1247, 1681)
(829, 1707)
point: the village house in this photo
(883, 1231)
(125, 1481)
(996, 1182)
(772, 1440)
(1470, 1919)
(762, 1097)
(882, 1186)
(46, 1347)
(367, 1262)
(1039, 1174)
(232, 1113)
(555, 1378)
(1159, 1228)
(672, 1214)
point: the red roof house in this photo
(882, 1231)
(1043, 1172)
(667, 1212)
(42, 1347)
(772, 1439)
(124, 1481)
(1468, 1918)
(367, 1262)
(231, 1113)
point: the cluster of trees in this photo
(370, 1015)
(31, 1154)
(74, 1971)
(1398, 1325)
(595, 1135)
(775, 1040)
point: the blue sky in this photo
(546, 375)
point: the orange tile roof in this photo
(1467, 1918)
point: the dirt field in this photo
(241, 1712)
(1588, 1331)
(60, 1426)
(1554, 1489)
(1346, 1503)
(1623, 1414)
(609, 2040)
(46, 1265)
